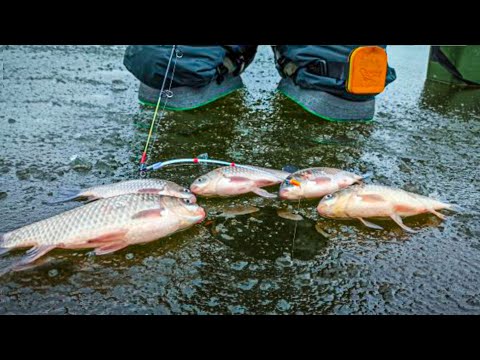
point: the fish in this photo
(106, 225)
(378, 201)
(139, 186)
(316, 182)
(235, 180)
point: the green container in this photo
(456, 65)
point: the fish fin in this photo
(436, 213)
(238, 179)
(370, 224)
(151, 213)
(459, 209)
(114, 236)
(398, 220)
(23, 267)
(322, 180)
(20, 266)
(33, 254)
(149, 191)
(67, 195)
(110, 247)
(372, 198)
(61, 201)
(71, 195)
(263, 193)
(290, 168)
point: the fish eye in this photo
(185, 190)
(200, 180)
(328, 197)
(187, 201)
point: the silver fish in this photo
(140, 186)
(236, 180)
(107, 225)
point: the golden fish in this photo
(376, 201)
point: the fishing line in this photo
(295, 230)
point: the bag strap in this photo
(320, 67)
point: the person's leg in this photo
(319, 78)
(202, 73)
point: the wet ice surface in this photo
(70, 119)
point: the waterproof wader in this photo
(336, 82)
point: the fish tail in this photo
(459, 209)
(16, 266)
(68, 195)
(5, 270)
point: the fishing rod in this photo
(168, 94)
